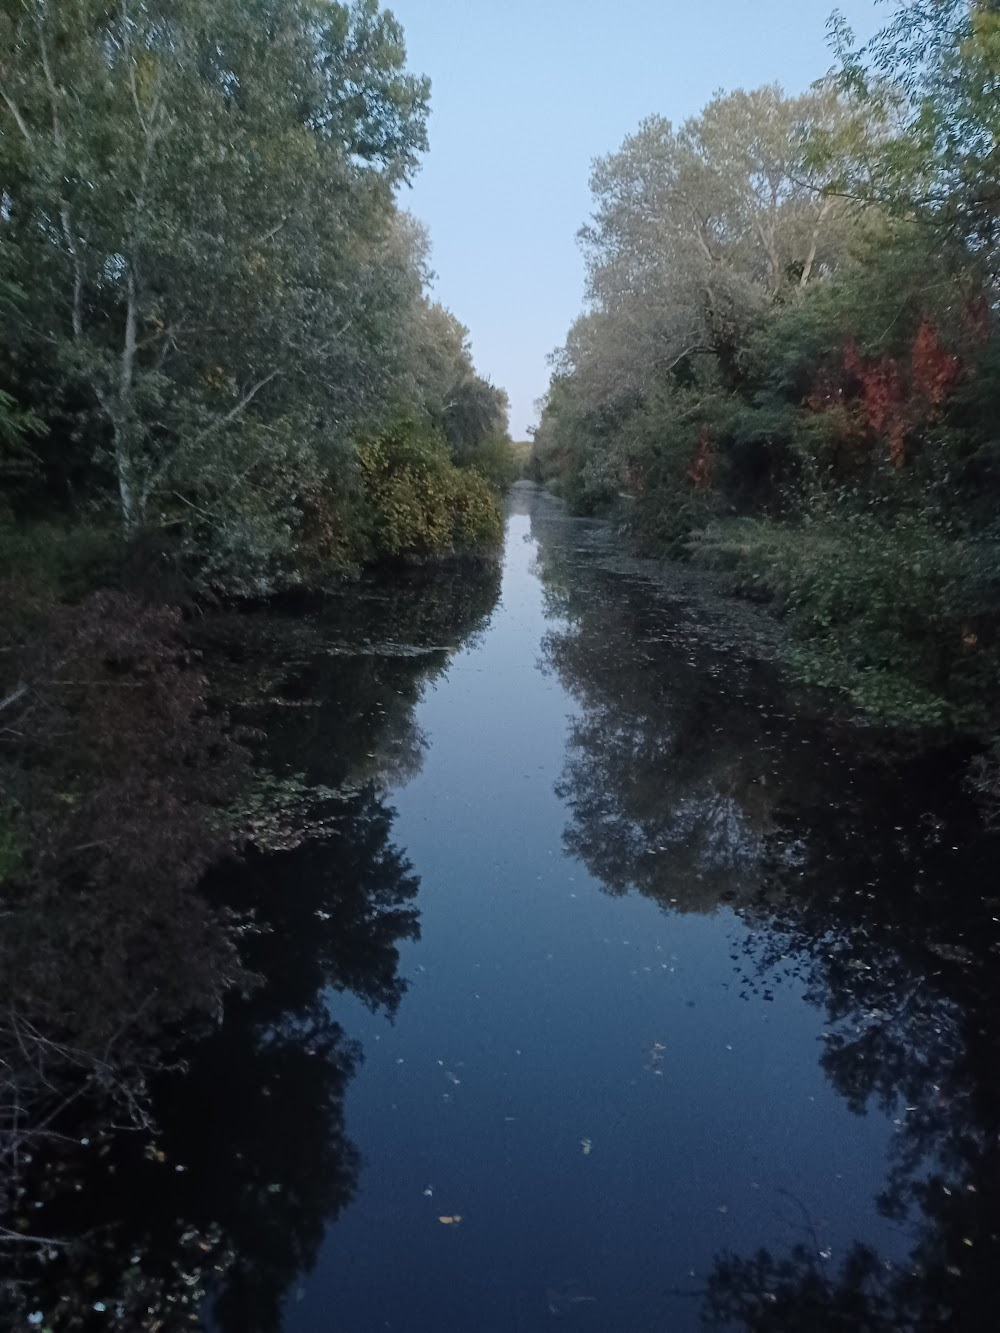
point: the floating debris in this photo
(654, 1057)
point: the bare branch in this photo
(228, 417)
(64, 215)
(14, 696)
(19, 120)
(157, 475)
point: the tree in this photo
(696, 231)
(466, 408)
(199, 204)
(934, 69)
(698, 236)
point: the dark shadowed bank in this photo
(222, 382)
(166, 1170)
(146, 1149)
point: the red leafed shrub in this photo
(701, 471)
(934, 371)
(895, 400)
(882, 399)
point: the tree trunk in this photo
(807, 267)
(125, 441)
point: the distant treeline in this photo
(789, 363)
(217, 353)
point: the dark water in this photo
(681, 1003)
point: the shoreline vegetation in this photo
(789, 362)
(222, 381)
(221, 373)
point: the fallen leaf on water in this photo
(450, 1221)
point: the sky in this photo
(525, 94)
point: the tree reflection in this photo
(859, 872)
(896, 938)
(678, 762)
(335, 683)
(223, 1201)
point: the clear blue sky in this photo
(525, 93)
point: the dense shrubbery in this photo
(220, 377)
(115, 783)
(889, 612)
(418, 502)
(791, 361)
(209, 297)
(115, 775)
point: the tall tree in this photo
(198, 196)
(695, 231)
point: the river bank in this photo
(573, 953)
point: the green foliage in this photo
(208, 293)
(419, 503)
(18, 461)
(933, 73)
(495, 460)
(65, 559)
(571, 451)
(887, 612)
(800, 387)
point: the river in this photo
(614, 987)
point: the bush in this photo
(67, 559)
(121, 777)
(495, 460)
(895, 614)
(418, 502)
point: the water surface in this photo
(632, 1038)
(611, 988)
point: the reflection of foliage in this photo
(671, 780)
(796, 1295)
(117, 776)
(251, 1159)
(907, 979)
(271, 1165)
(866, 881)
(343, 902)
(244, 1158)
(334, 683)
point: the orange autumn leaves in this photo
(700, 474)
(893, 397)
(886, 398)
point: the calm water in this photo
(679, 1003)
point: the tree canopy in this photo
(209, 291)
(789, 350)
